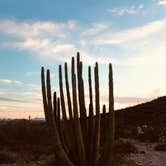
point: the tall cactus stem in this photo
(109, 136)
(55, 107)
(78, 132)
(81, 90)
(45, 104)
(61, 94)
(97, 118)
(59, 151)
(90, 121)
(68, 93)
(111, 104)
(70, 121)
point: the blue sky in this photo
(131, 35)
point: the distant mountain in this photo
(150, 112)
(38, 119)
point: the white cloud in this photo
(7, 81)
(46, 48)
(126, 10)
(72, 24)
(162, 2)
(131, 34)
(32, 29)
(139, 45)
(46, 39)
(95, 29)
(144, 45)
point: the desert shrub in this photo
(147, 133)
(23, 132)
(7, 157)
(121, 148)
(124, 147)
(162, 135)
(160, 147)
(127, 131)
(162, 138)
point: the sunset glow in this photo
(131, 35)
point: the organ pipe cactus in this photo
(82, 137)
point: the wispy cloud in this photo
(46, 48)
(144, 45)
(19, 99)
(17, 91)
(47, 39)
(95, 29)
(58, 40)
(12, 100)
(7, 81)
(33, 29)
(131, 100)
(126, 10)
(131, 35)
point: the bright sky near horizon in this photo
(130, 34)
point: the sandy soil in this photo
(146, 155)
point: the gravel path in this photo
(147, 156)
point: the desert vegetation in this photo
(82, 140)
(33, 146)
(75, 135)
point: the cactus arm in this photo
(61, 94)
(81, 89)
(55, 107)
(78, 132)
(97, 118)
(90, 121)
(83, 117)
(58, 120)
(111, 102)
(109, 133)
(59, 152)
(68, 93)
(73, 152)
(45, 104)
(112, 115)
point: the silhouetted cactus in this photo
(47, 101)
(79, 139)
(97, 118)
(61, 94)
(68, 93)
(91, 124)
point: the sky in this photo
(129, 34)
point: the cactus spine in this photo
(79, 139)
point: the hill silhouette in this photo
(150, 112)
(149, 118)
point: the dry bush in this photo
(7, 157)
(160, 147)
